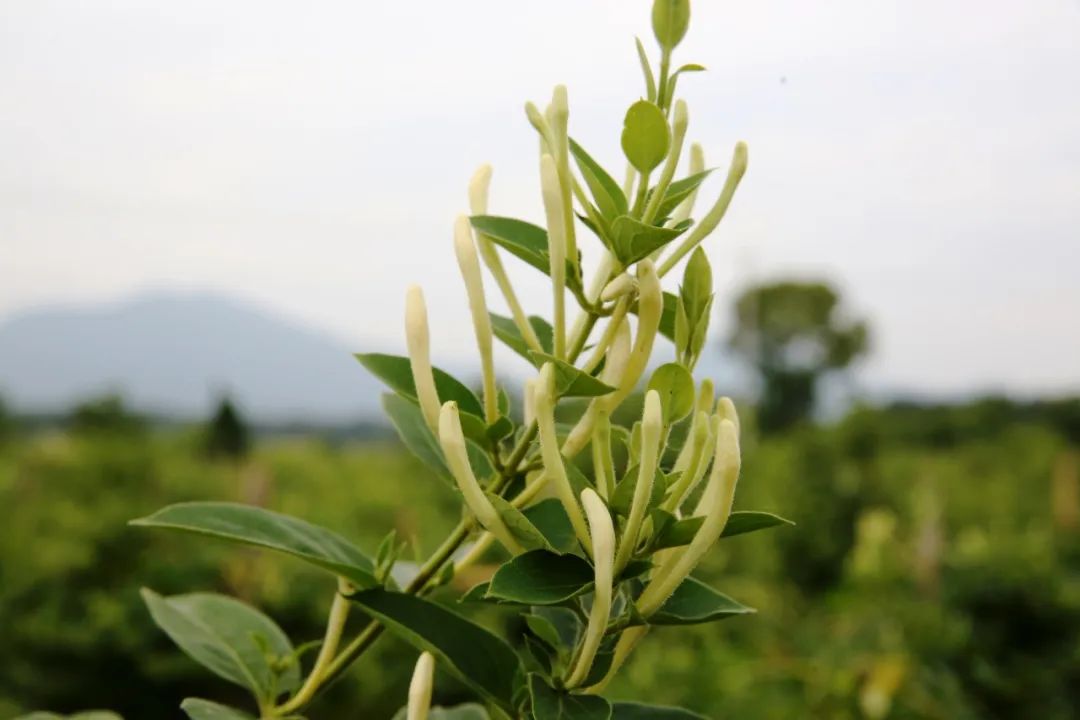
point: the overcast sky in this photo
(924, 155)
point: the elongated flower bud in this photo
(554, 212)
(715, 214)
(554, 470)
(453, 445)
(726, 409)
(686, 207)
(618, 287)
(650, 308)
(677, 567)
(603, 544)
(618, 355)
(478, 190)
(703, 404)
(678, 126)
(652, 428)
(420, 687)
(695, 465)
(418, 342)
(560, 116)
(469, 264)
(529, 401)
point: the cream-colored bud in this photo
(716, 213)
(478, 190)
(554, 210)
(650, 308)
(469, 263)
(680, 117)
(726, 409)
(456, 452)
(420, 687)
(696, 464)
(652, 429)
(686, 207)
(623, 284)
(529, 402)
(417, 340)
(618, 355)
(554, 469)
(603, 551)
(675, 569)
(703, 404)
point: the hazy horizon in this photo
(923, 157)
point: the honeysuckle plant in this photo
(598, 526)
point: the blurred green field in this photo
(931, 574)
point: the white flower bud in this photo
(652, 429)
(417, 340)
(725, 408)
(603, 552)
(420, 687)
(453, 445)
(554, 470)
(478, 190)
(686, 207)
(618, 287)
(650, 308)
(469, 263)
(675, 569)
(554, 212)
(704, 405)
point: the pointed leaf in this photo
(633, 240)
(678, 191)
(199, 709)
(507, 331)
(550, 518)
(570, 381)
(681, 532)
(606, 192)
(263, 528)
(479, 659)
(541, 577)
(670, 20)
(520, 526)
(695, 602)
(221, 634)
(396, 372)
(550, 704)
(408, 420)
(675, 386)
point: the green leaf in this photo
(551, 704)
(633, 240)
(520, 526)
(678, 191)
(507, 331)
(675, 386)
(503, 427)
(697, 285)
(221, 633)
(543, 629)
(606, 192)
(408, 420)
(646, 70)
(541, 577)
(199, 709)
(637, 711)
(570, 381)
(523, 239)
(695, 602)
(549, 517)
(670, 20)
(468, 711)
(396, 372)
(688, 68)
(565, 621)
(479, 659)
(623, 496)
(682, 531)
(263, 528)
(645, 136)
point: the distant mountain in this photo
(176, 353)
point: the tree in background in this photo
(105, 415)
(793, 333)
(227, 435)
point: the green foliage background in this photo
(925, 579)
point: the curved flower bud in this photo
(726, 409)
(420, 687)
(560, 115)
(618, 355)
(453, 445)
(603, 544)
(529, 402)
(703, 404)
(618, 287)
(417, 340)
(652, 428)
(676, 567)
(478, 205)
(554, 212)
(469, 263)
(650, 308)
(678, 125)
(554, 469)
(715, 214)
(696, 463)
